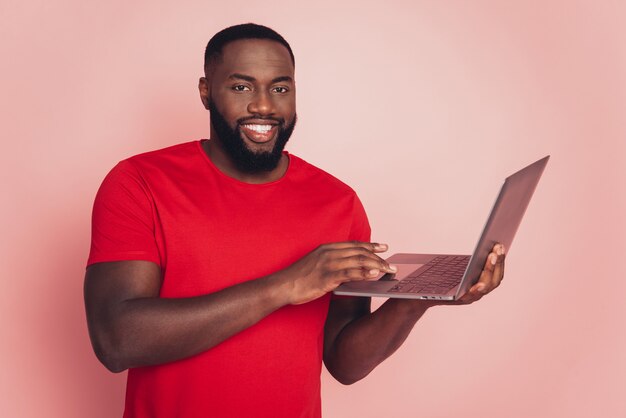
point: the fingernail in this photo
(393, 268)
(500, 250)
(374, 272)
(381, 246)
(480, 288)
(493, 259)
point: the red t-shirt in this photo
(208, 231)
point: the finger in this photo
(375, 247)
(498, 270)
(361, 252)
(494, 265)
(475, 293)
(361, 258)
(490, 277)
(485, 282)
(468, 298)
(356, 274)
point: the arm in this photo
(357, 340)
(131, 326)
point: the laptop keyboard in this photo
(437, 276)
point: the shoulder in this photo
(306, 172)
(174, 154)
(170, 161)
(141, 171)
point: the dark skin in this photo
(131, 326)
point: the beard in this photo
(243, 157)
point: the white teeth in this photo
(259, 128)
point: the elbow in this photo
(109, 343)
(346, 377)
(109, 354)
(111, 362)
(346, 381)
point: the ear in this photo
(204, 87)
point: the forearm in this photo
(130, 325)
(369, 340)
(153, 330)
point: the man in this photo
(213, 262)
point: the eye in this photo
(280, 89)
(240, 88)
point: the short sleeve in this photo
(123, 226)
(360, 230)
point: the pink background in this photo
(423, 107)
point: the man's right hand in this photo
(329, 265)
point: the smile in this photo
(259, 133)
(259, 128)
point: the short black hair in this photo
(215, 46)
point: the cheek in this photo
(232, 107)
(287, 106)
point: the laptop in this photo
(449, 276)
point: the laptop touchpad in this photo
(403, 271)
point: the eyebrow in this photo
(252, 79)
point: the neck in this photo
(225, 164)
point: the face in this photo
(251, 95)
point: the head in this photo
(249, 88)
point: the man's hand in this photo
(490, 278)
(329, 265)
(350, 328)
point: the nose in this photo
(261, 104)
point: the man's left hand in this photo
(490, 278)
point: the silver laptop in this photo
(449, 276)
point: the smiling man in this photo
(212, 262)
(249, 135)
